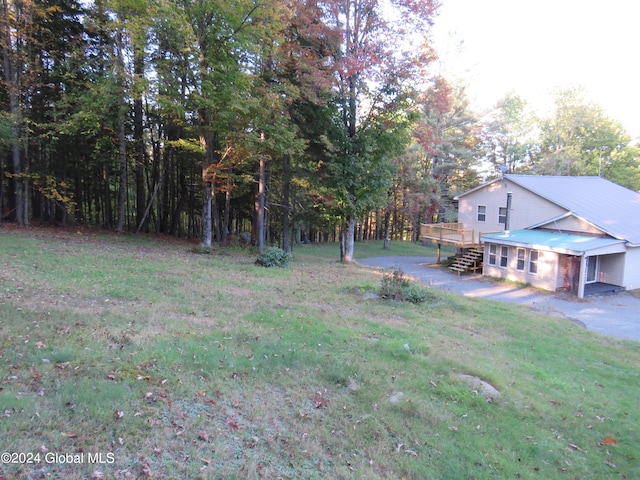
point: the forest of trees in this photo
(289, 120)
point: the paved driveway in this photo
(615, 315)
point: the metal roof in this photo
(608, 206)
(557, 242)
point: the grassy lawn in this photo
(134, 357)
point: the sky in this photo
(533, 47)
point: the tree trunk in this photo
(387, 228)
(227, 212)
(11, 80)
(208, 141)
(286, 183)
(138, 139)
(207, 226)
(259, 205)
(106, 210)
(347, 241)
(122, 197)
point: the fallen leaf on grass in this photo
(609, 440)
(204, 436)
(609, 464)
(118, 414)
(573, 447)
(111, 376)
(40, 345)
(69, 435)
(231, 423)
(147, 470)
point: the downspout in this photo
(507, 219)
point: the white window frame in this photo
(533, 264)
(502, 215)
(493, 254)
(482, 213)
(521, 259)
(504, 256)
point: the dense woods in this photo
(282, 120)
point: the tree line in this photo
(282, 120)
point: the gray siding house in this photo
(575, 234)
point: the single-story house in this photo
(575, 234)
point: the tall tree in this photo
(39, 39)
(447, 134)
(16, 21)
(378, 59)
(509, 136)
(579, 139)
(224, 36)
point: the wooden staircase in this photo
(469, 260)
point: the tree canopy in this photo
(283, 121)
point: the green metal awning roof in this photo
(557, 242)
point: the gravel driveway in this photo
(614, 315)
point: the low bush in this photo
(274, 257)
(396, 286)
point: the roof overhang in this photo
(568, 244)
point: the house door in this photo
(593, 267)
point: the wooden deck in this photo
(453, 234)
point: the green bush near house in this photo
(396, 286)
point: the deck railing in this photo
(448, 234)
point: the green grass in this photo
(184, 365)
(372, 248)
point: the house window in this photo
(502, 215)
(521, 259)
(482, 213)
(504, 256)
(493, 254)
(533, 261)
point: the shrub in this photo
(274, 257)
(396, 286)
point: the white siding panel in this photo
(612, 269)
(546, 278)
(573, 224)
(527, 208)
(632, 268)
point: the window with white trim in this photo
(533, 261)
(493, 254)
(482, 213)
(521, 256)
(504, 256)
(502, 215)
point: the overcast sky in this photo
(532, 47)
